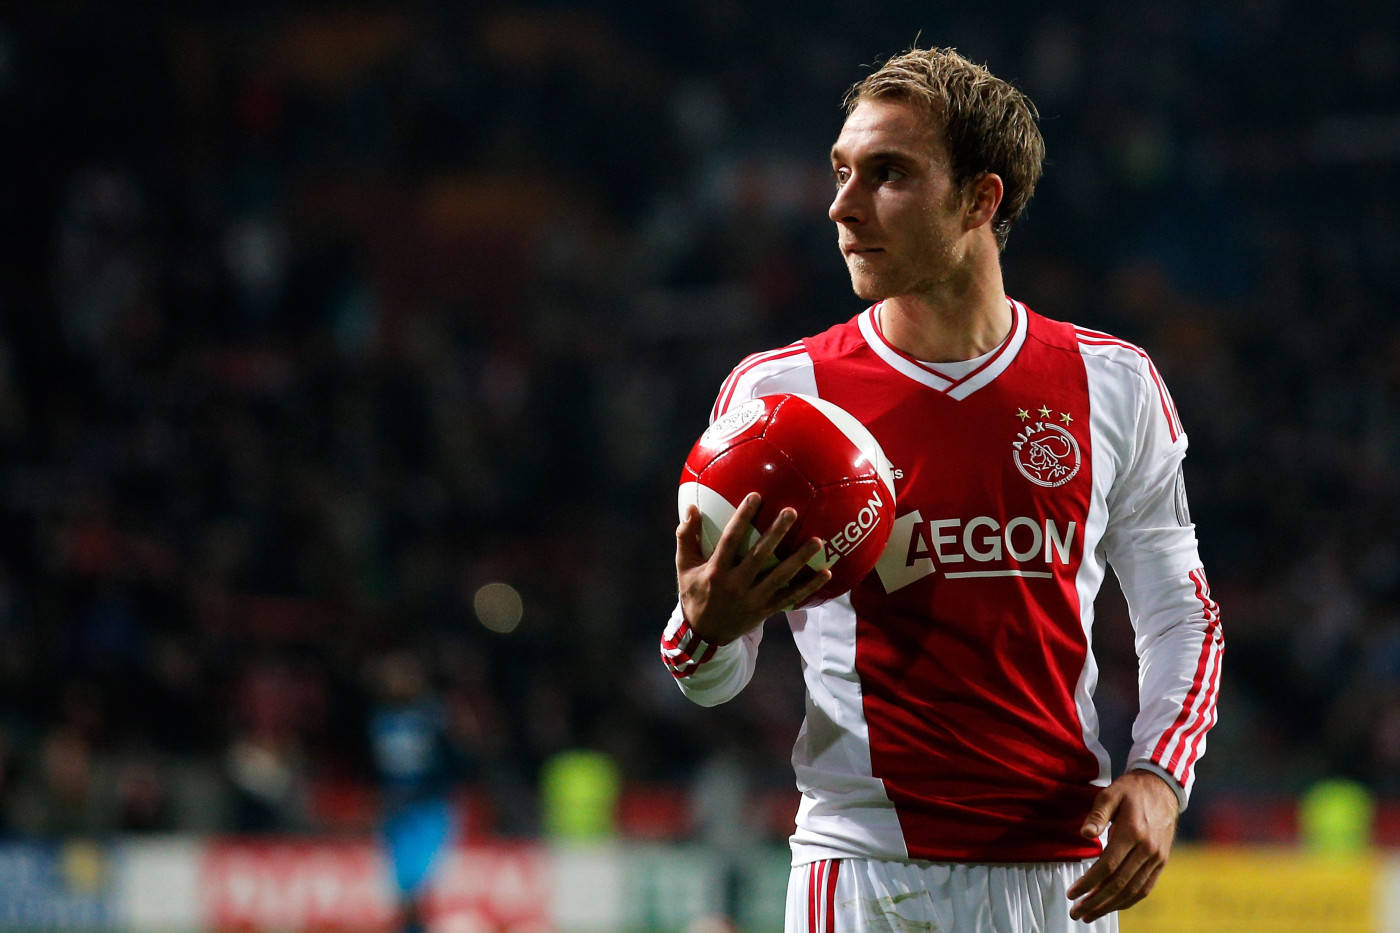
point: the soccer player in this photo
(415, 762)
(951, 773)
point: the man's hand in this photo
(730, 593)
(1141, 810)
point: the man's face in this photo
(897, 212)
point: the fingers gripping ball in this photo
(804, 452)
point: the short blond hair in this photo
(988, 125)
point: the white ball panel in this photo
(715, 513)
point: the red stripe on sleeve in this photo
(1189, 712)
(1209, 724)
(1180, 765)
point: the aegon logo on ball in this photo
(728, 425)
(846, 540)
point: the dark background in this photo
(315, 320)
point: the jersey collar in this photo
(927, 373)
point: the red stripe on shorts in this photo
(831, 896)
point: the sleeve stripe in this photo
(680, 649)
(1094, 338)
(1198, 711)
(1192, 695)
(1180, 764)
(726, 392)
(1202, 719)
(1190, 762)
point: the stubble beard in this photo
(868, 284)
(879, 286)
(931, 270)
(865, 289)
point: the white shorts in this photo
(867, 896)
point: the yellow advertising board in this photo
(1260, 891)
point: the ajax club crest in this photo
(1045, 452)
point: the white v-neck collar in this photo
(963, 378)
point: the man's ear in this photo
(984, 195)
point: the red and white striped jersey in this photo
(949, 711)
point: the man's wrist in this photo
(698, 632)
(1151, 767)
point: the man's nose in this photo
(846, 207)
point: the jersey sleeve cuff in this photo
(683, 651)
(1143, 764)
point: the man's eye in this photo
(841, 175)
(890, 173)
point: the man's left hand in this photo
(1140, 810)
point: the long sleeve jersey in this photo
(949, 708)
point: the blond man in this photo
(951, 772)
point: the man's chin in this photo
(867, 290)
(870, 280)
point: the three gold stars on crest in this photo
(1024, 414)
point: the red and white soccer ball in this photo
(804, 452)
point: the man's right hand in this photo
(731, 593)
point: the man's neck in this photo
(949, 325)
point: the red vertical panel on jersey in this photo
(968, 673)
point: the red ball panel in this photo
(755, 465)
(745, 422)
(821, 450)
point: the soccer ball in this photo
(804, 452)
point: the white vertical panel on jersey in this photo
(833, 749)
(1107, 408)
(1154, 556)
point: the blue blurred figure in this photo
(417, 768)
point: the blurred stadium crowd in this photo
(317, 322)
